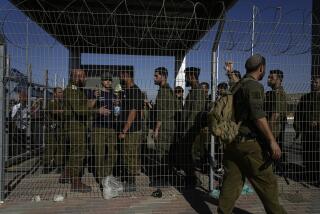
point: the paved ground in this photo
(189, 202)
(296, 198)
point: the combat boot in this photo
(78, 186)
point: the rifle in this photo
(278, 164)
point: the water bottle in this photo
(116, 110)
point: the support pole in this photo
(180, 65)
(2, 116)
(7, 107)
(29, 107)
(44, 106)
(214, 72)
(253, 28)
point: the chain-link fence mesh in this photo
(122, 113)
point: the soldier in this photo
(104, 136)
(77, 113)
(205, 88)
(55, 139)
(222, 89)
(131, 129)
(164, 123)
(192, 115)
(178, 92)
(307, 124)
(276, 107)
(234, 76)
(244, 157)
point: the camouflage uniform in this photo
(55, 136)
(244, 156)
(276, 102)
(77, 113)
(307, 124)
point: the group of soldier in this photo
(180, 129)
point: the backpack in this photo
(221, 117)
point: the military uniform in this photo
(104, 136)
(77, 113)
(307, 124)
(192, 143)
(55, 135)
(244, 156)
(165, 111)
(276, 102)
(132, 99)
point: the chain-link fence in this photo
(86, 100)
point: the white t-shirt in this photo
(19, 115)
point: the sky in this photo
(282, 35)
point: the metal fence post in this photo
(214, 72)
(7, 106)
(44, 106)
(29, 108)
(2, 116)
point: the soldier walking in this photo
(244, 157)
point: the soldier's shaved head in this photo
(78, 77)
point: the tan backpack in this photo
(221, 117)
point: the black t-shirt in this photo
(132, 98)
(105, 100)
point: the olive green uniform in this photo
(307, 124)
(132, 100)
(55, 136)
(244, 157)
(165, 111)
(276, 102)
(104, 136)
(77, 113)
(105, 159)
(192, 142)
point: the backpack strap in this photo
(240, 84)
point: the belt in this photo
(243, 138)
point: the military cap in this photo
(278, 72)
(106, 76)
(193, 70)
(254, 62)
(162, 71)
